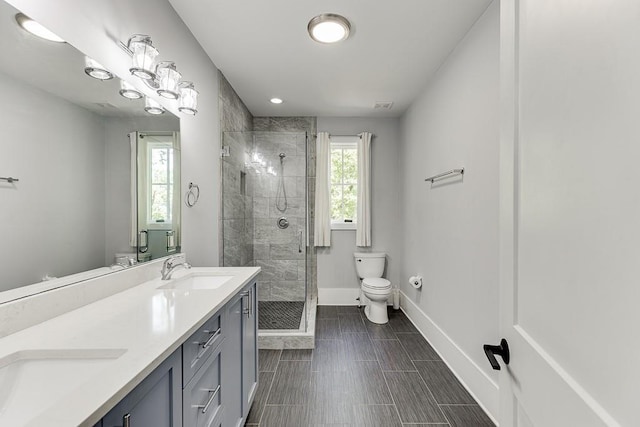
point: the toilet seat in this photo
(376, 284)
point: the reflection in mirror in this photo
(158, 194)
(66, 138)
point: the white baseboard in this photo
(477, 382)
(338, 296)
(343, 296)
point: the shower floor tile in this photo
(280, 314)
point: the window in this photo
(160, 202)
(344, 184)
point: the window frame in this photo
(165, 145)
(344, 142)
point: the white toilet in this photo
(370, 267)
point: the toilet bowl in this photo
(370, 267)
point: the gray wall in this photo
(450, 230)
(117, 176)
(53, 218)
(337, 278)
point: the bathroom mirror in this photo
(70, 143)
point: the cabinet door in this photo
(249, 349)
(232, 362)
(156, 402)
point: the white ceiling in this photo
(263, 49)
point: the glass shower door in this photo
(265, 221)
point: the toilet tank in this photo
(369, 264)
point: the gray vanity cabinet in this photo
(210, 381)
(156, 402)
(250, 351)
(240, 356)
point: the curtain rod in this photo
(315, 135)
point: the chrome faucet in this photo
(168, 267)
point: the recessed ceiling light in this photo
(329, 28)
(36, 29)
(276, 101)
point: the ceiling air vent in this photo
(383, 105)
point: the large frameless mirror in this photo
(73, 207)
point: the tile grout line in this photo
(266, 399)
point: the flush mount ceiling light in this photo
(129, 91)
(94, 69)
(188, 99)
(329, 28)
(36, 29)
(168, 80)
(152, 106)
(276, 101)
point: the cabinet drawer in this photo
(199, 346)
(202, 396)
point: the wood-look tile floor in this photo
(361, 374)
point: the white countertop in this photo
(148, 323)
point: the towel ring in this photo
(192, 196)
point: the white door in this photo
(570, 212)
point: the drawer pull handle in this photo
(213, 395)
(211, 338)
(126, 420)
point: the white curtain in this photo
(177, 192)
(363, 218)
(322, 217)
(133, 229)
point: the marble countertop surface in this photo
(143, 323)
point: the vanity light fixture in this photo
(36, 29)
(188, 98)
(129, 91)
(152, 106)
(329, 28)
(276, 101)
(168, 80)
(96, 70)
(143, 55)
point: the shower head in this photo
(282, 156)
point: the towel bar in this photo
(446, 174)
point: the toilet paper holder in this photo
(416, 281)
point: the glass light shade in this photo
(129, 91)
(94, 69)
(36, 29)
(329, 28)
(188, 99)
(168, 80)
(152, 106)
(144, 57)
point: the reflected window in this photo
(161, 183)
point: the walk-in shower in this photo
(265, 221)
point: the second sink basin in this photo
(197, 282)
(31, 379)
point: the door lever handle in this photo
(501, 350)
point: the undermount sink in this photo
(197, 282)
(30, 379)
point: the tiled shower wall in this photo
(280, 252)
(240, 220)
(236, 218)
(308, 125)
